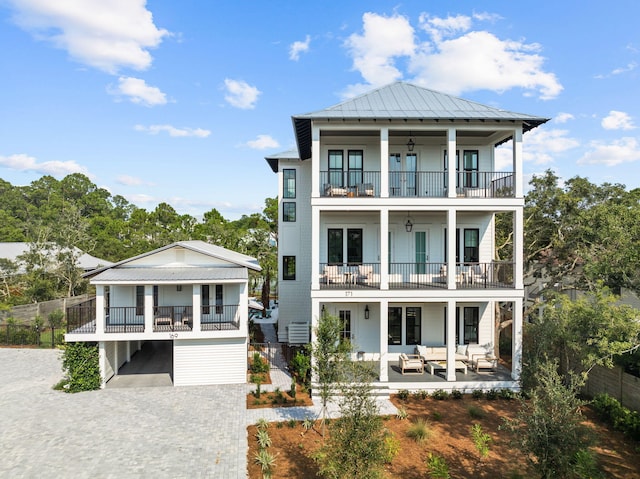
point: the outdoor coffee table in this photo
(442, 366)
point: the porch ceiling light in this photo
(409, 224)
(411, 144)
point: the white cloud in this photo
(452, 58)
(299, 47)
(22, 162)
(104, 34)
(563, 117)
(617, 120)
(374, 52)
(624, 150)
(128, 180)
(263, 142)
(173, 131)
(540, 146)
(139, 92)
(240, 94)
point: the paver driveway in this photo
(121, 433)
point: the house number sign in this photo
(173, 335)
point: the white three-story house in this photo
(387, 219)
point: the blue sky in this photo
(181, 101)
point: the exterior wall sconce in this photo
(179, 287)
(411, 144)
(366, 312)
(324, 310)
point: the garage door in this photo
(209, 361)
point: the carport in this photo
(151, 366)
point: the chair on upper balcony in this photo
(333, 190)
(365, 189)
(332, 274)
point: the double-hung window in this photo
(336, 167)
(355, 167)
(470, 165)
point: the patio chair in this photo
(411, 362)
(332, 274)
(365, 273)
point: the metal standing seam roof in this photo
(171, 275)
(404, 101)
(291, 154)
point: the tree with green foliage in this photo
(549, 427)
(356, 448)
(329, 354)
(580, 334)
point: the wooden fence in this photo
(616, 383)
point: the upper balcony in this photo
(416, 184)
(493, 275)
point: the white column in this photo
(315, 248)
(148, 308)
(451, 340)
(315, 162)
(451, 155)
(128, 351)
(384, 162)
(516, 340)
(100, 319)
(384, 248)
(517, 163)
(243, 309)
(102, 362)
(518, 242)
(451, 248)
(384, 343)
(196, 301)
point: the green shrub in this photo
(507, 394)
(299, 366)
(402, 414)
(391, 447)
(440, 394)
(456, 394)
(80, 362)
(264, 441)
(437, 467)
(480, 439)
(403, 394)
(258, 364)
(491, 394)
(477, 394)
(585, 465)
(436, 415)
(619, 417)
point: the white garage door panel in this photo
(209, 361)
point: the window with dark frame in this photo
(355, 167)
(414, 325)
(288, 267)
(204, 299)
(139, 300)
(336, 167)
(289, 183)
(471, 245)
(395, 326)
(470, 165)
(288, 211)
(470, 321)
(354, 246)
(334, 246)
(219, 298)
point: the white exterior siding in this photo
(209, 361)
(295, 239)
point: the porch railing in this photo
(81, 318)
(485, 184)
(123, 319)
(350, 183)
(497, 274)
(417, 275)
(345, 276)
(219, 317)
(172, 318)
